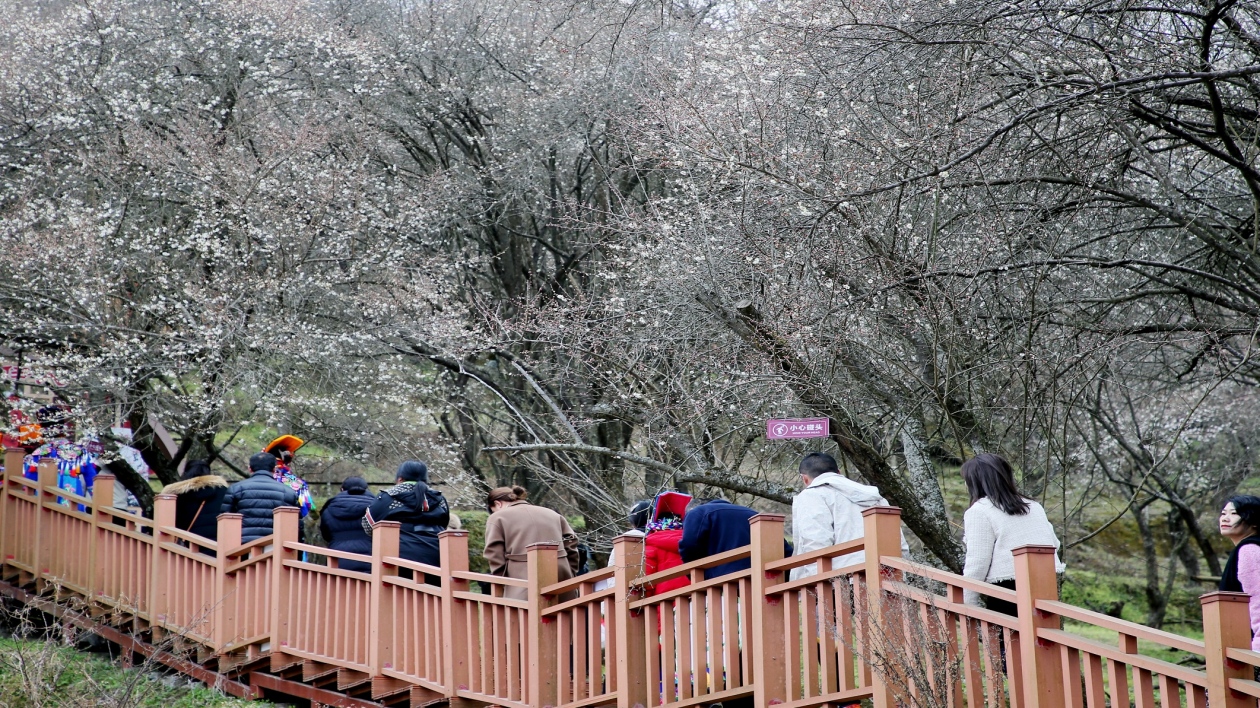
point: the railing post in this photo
(46, 477)
(163, 519)
(882, 531)
(453, 547)
(102, 500)
(1226, 625)
(767, 616)
(227, 539)
(629, 629)
(543, 567)
(12, 468)
(385, 544)
(1042, 664)
(284, 530)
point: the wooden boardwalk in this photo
(257, 619)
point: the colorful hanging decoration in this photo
(76, 466)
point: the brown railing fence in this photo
(880, 627)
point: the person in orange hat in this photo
(284, 448)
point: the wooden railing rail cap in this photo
(577, 582)
(948, 578)
(543, 545)
(200, 541)
(416, 566)
(685, 569)
(840, 549)
(943, 603)
(834, 574)
(594, 599)
(54, 490)
(452, 533)
(329, 552)
(1245, 656)
(255, 545)
(871, 511)
(1132, 629)
(694, 588)
(1033, 548)
(1115, 653)
(487, 578)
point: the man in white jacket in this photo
(829, 511)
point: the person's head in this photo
(816, 464)
(1241, 517)
(500, 497)
(285, 456)
(413, 471)
(988, 476)
(196, 468)
(262, 462)
(354, 485)
(639, 514)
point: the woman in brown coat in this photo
(514, 525)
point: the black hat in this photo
(263, 461)
(355, 485)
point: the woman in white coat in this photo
(999, 520)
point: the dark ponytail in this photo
(988, 476)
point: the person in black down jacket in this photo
(256, 497)
(198, 498)
(422, 511)
(341, 523)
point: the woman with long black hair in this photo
(999, 520)
(1240, 523)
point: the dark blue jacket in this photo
(254, 499)
(341, 524)
(716, 527)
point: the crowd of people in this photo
(676, 527)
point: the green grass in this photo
(47, 675)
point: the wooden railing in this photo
(882, 627)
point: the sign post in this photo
(797, 428)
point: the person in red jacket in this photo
(660, 548)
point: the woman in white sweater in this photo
(999, 520)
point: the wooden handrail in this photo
(492, 579)
(328, 552)
(690, 589)
(833, 574)
(843, 549)
(1132, 629)
(492, 600)
(199, 541)
(679, 571)
(578, 581)
(524, 646)
(582, 601)
(1243, 656)
(944, 603)
(994, 591)
(414, 566)
(1113, 653)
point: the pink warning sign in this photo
(792, 428)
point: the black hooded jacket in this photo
(341, 524)
(423, 513)
(197, 504)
